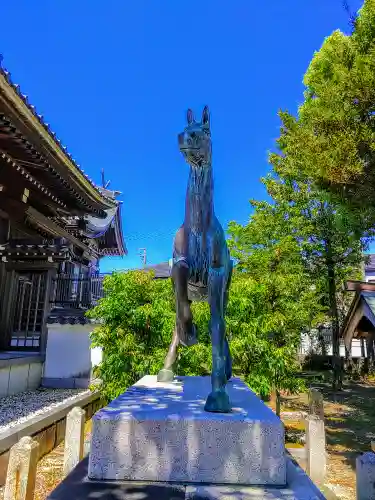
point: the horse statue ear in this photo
(190, 116)
(206, 117)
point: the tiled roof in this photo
(32, 180)
(68, 317)
(108, 232)
(16, 88)
(369, 298)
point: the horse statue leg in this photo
(228, 357)
(184, 332)
(166, 374)
(218, 399)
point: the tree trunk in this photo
(335, 323)
(348, 366)
(278, 403)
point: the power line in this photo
(146, 236)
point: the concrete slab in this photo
(18, 378)
(4, 381)
(299, 487)
(78, 487)
(35, 376)
(160, 432)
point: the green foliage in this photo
(137, 320)
(136, 317)
(333, 139)
(324, 170)
(272, 301)
(331, 235)
(259, 354)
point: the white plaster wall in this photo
(310, 345)
(68, 352)
(96, 356)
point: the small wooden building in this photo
(55, 225)
(360, 320)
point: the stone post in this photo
(315, 448)
(74, 438)
(21, 475)
(316, 405)
(365, 468)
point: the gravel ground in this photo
(19, 408)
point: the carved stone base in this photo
(160, 432)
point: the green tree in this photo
(272, 301)
(332, 236)
(333, 138)
(325, 164)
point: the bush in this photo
(136, 323)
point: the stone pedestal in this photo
(160, 432)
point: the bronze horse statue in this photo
(202, 268)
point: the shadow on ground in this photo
(349, 418)
(77, 488)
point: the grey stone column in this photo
(316, 404)
(21, 475)
(316, 448)
(74, 439)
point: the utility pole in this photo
(143, 255)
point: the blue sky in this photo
(114, 80)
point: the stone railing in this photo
(23, 458)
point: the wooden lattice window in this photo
(28, 313)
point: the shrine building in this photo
(55, 226)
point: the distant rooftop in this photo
(162, 271)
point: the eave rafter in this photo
(32, 181)
(39, 220)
